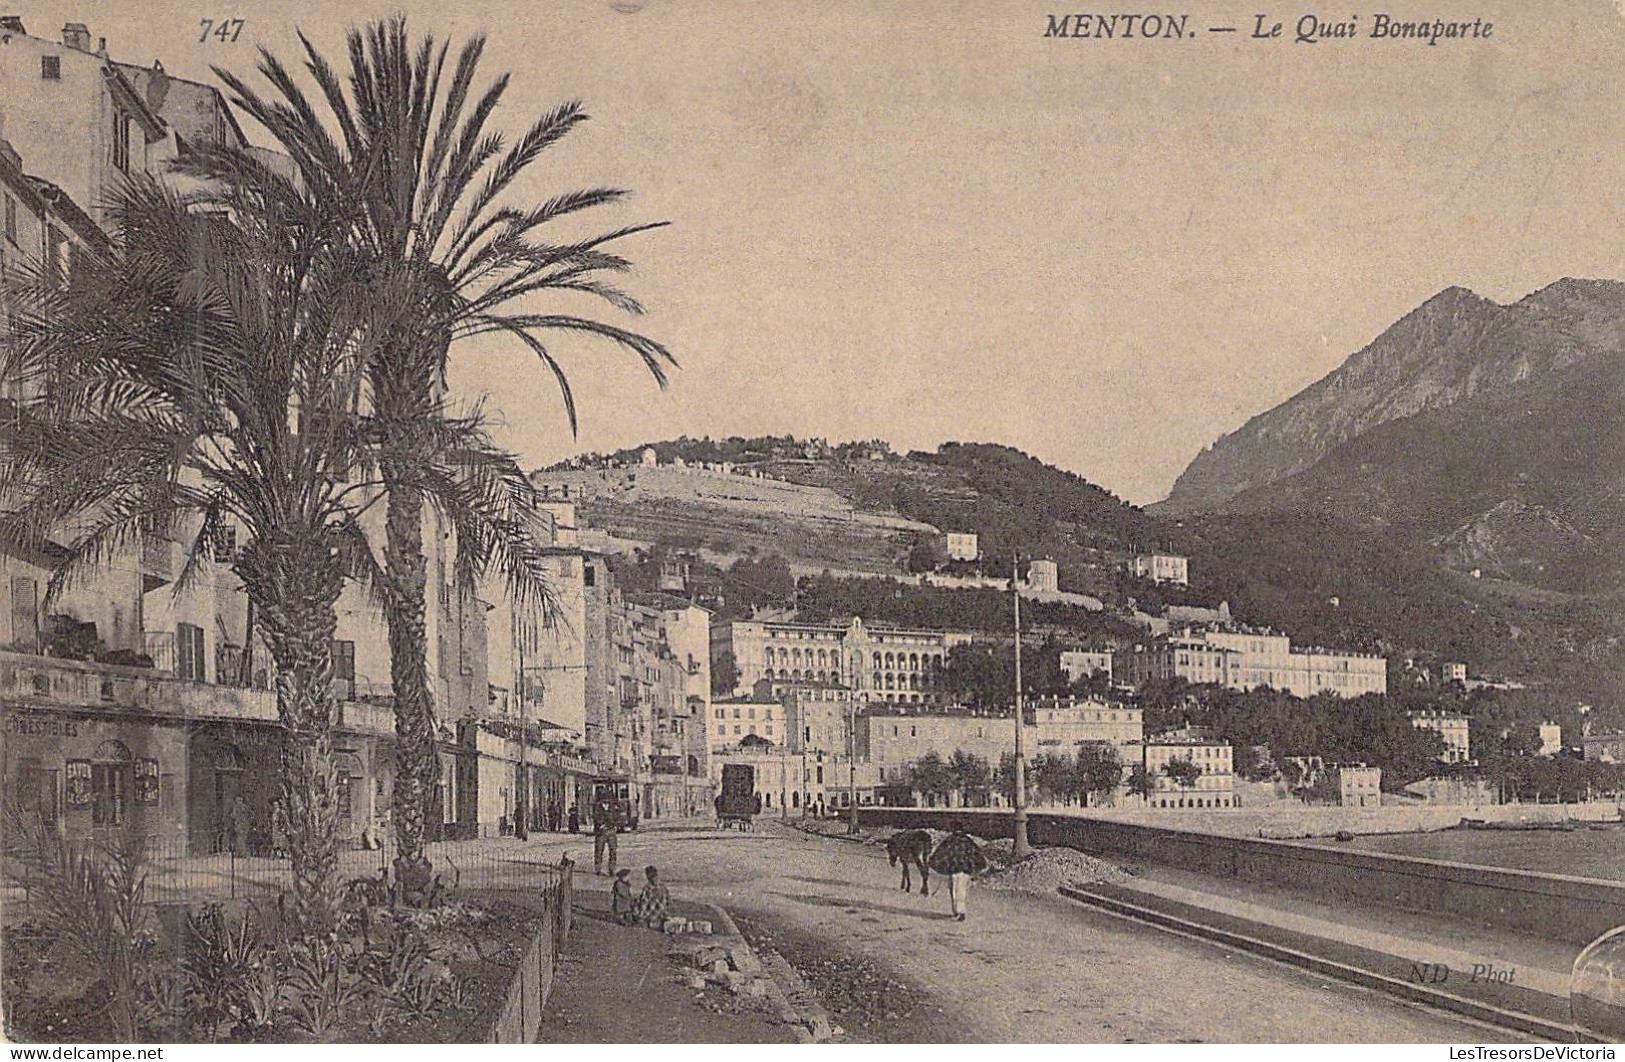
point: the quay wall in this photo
(1291, 820)
(1552, 906)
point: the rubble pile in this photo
(1046, 870)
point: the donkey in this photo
(911, 846)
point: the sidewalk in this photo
(617, 984)
(1503, 970)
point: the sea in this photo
(1582, 852)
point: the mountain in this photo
(1454, 347)
(1525, 483)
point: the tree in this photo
(1004, 778)
(1055, 776)
(1140, 782)
(1099, 771)
(1183, 772)
(724, 674)
(190, 376)
(970, 773)
(930, 777)
(923, 557)
(423, 180)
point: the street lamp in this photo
(852, 764)
(1019, 849)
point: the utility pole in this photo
(1020, 848)
(852, 764)
(521, 830)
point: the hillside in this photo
(1525, 483)
(847, 511)
(1455, 346)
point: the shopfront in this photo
(92, 777)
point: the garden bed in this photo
(228, 973)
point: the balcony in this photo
(29, 681)
(159, 646)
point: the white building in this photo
(1080, 664)
(1213, 787)
(1452, 727)
(1244, 660)
(1162, 568)
(894, 742)
(1044, 576)
(962, 546)
(1357, 785)
(880, 664)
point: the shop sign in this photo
(41, 726)
(146, 781)
(78, 779)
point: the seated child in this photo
(620, 898)
(654, 902)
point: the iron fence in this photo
(173, 874)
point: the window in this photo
(344, 669)
(24, 613)
(121, 141)
(588, 574)
(189, 652)
(50, 67)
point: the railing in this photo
(27, 680)
(160, 647)
(35, 680)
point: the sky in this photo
(924, 221)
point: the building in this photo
(1247, 659)
(893, 742)
(1161, 568)
(80, 119)
(881, 664)
(737, 718)
(1452, 672)
(1357, 785)
(1605, 748)
(1213, 787)
(800, 783)
(962, 546)
(1080, 664)
(1452, 728)
(1044, 576)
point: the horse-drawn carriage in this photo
(737, 803)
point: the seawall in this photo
(1552, 906)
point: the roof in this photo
(62, 205)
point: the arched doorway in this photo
(112, 781)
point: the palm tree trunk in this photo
(295, 586)
(417, 765)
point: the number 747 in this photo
(227, 29)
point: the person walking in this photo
(575, 818)
(958, 856)
(606, 824)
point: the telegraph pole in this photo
(521, 829)
(1020, 849)
(852, 764)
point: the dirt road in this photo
(1022, 968)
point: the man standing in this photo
(606, 824)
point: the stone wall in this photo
(1552, 906)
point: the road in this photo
(1022, 968)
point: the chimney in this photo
(76, 35)
(12, 24)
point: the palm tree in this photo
(194, 374)
(437, 234)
